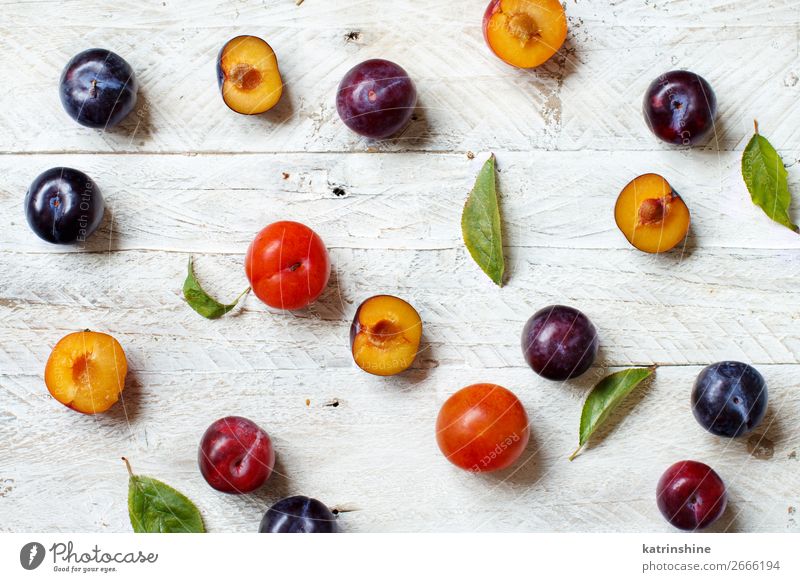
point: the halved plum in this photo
(525, 33)
(385, 335)
(651, 215)
(248, 75)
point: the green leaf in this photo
(604, 398)
(765, 177)
(201, 301)
(480, 224)
(155, 507)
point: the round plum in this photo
(298, 514)
(690, 495)
(559, 342)
(98, 88)
(63, 206)
(287, 265)
(729, 398)
(376, 98)
(680, 107)
(482, 428)
(235, 455)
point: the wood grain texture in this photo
(585, 98)
(186, 177)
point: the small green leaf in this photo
(201, 301)
(765, 177)
(604, 398)
(155, 507)
(480, 224)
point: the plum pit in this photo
(523, 27)
(245, 77)
(652, 210)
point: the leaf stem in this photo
(575, 454)
(128, 465)
(755, 125)
(243, 293)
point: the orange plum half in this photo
(651, 215)
(86, 371)
(385, 335)
(248, 75)
(525, 33)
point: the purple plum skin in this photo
(690, 495)
(376, 98)
(680, 107)
(729, 399)
(299, 514)
(98, 88)
(559, 342)
(63, 206)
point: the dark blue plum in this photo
(298, 514)
(729, 398)
(98, 88)
(559, 342)
(64, 206)
(376, 98)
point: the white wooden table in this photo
(185, 177)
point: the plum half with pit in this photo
(385, 335)
(376, 98)
(63, 206)
(248, 75)
(690, 495)
(559, 342)
(298, 514)
(525, 33)
(729, 399)
(86, 371)
(98, 88)
(680, 107)
(652, 216)
(235, 455)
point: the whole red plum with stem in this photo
(235, 455)
(287, 265)
(690, 495)
(376, 98)
(559, 342)
(680, 107)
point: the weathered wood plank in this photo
(216, 204)
(708, 307)
(376, 452)
(567, 137)
(437, 14)
(469, 100)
